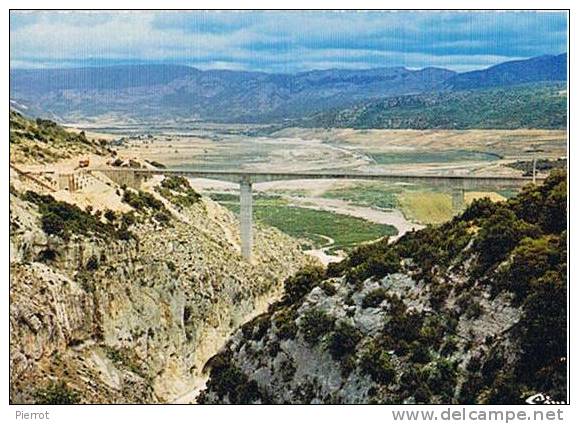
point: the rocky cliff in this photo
(125, 305)
(473, 311)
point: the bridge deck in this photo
(457, 183)
(256, 177)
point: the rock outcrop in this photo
(473, 311)
(131, 319)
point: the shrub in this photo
(328, 288)
(474, 310)
(422, 394)
(86, 281)
(92, 264)
(377, 264)
(163, 217)
(432, 331)
(376, 363)
(47, 255)
(178, 190)
(110, 215)
(257, 327)
(343, 340)
(63, 219)
(530, 260)
(125, 358)
(419, 352)
(226, 379)
(176, 183)
(142, 201)
(405, 327)
(499, 235)
(441, 378)
(374, 298)
(315, 324)
(300, 284)
(285, 325)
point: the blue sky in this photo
(284, 41)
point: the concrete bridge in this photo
(457, 184)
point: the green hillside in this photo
(527, 106)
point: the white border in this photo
(260, 414)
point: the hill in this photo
(473, 311)
(524, 106)
(120, 295)
(166, 92)
(44, 141)
(537, 69)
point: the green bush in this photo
(371, 260)
(92, 264)
(63, 219)
(142, 201)
(257, 327)
(405, 327)
(374, 298)
(176, 183)
(315, 324)
(177, 190)
(530, 260)
(300, 284)
(110, 215)
(226, 379)
(47, 255)
(419, 353)
(499, 234)
(377, 364)
(286, 327)
(441, 378)
(343, 341)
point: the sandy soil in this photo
(345, 149)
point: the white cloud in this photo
(274, 40)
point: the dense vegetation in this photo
(526, 106)
(147, 205)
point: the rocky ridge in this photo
(472, 311)
(129, 316)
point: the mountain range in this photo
(167, 92)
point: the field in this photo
(366, 194)
(314, 226)
(418, 204)
(297, 149)
(426, 207)
(338, 214)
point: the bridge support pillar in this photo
(458, 202)
(245, 217)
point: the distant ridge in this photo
(537, 69)
(168, 92)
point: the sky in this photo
(283, 42)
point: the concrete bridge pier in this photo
(458, 202)
(245, 217)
